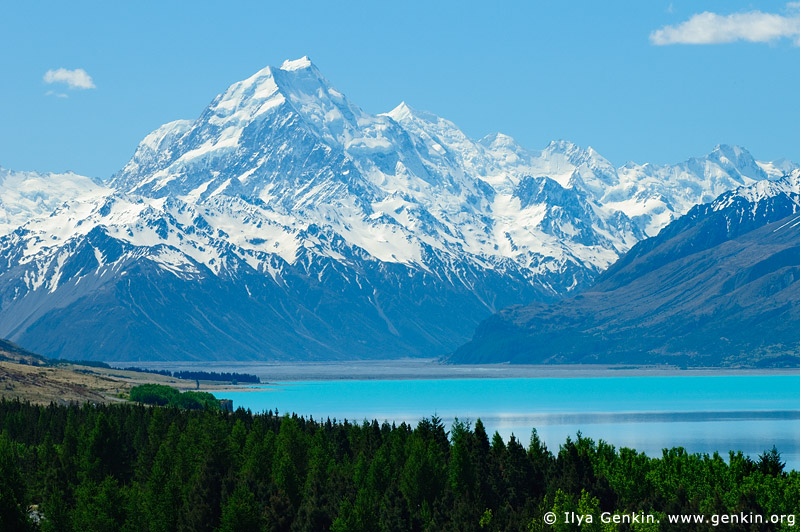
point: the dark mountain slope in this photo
(718, 286)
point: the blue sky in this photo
(644, 81)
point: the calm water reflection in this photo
(701, 414)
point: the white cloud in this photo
(711, 28)
(56, 94)
(75, 79)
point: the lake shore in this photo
(406, 369)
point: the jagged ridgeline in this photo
(126, 467)
(284, 222)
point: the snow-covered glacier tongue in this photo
(285, 222)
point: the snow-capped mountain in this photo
(287, 222)
(655, 195)
(27, 195)
(392, 184)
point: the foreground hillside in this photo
(30, 377)
(127, 468)
(719, 286)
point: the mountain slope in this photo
(718, 286)
(154, 279)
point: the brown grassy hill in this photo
(30, 377)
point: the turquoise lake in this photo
(700, 413)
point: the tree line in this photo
(223, 376)
(162, 395)
(130, 467)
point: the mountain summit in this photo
(286, 222)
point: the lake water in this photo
(700, 413)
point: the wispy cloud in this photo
(56, 94)
(75, 79)
(752, 26)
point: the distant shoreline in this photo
(411, 369)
